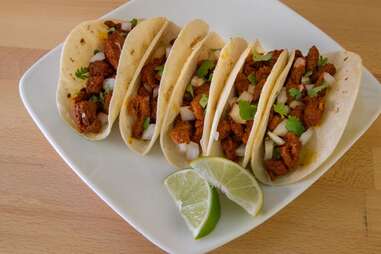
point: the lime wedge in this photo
(233, 180)
(197, 201)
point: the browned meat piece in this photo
(274, 57)
(85, 117)
(228, 147)
(113, 47)
(181, 132)
(94, 84)
(248, 66)
(298, 112)
(149, 74)
(274, 120)
(312, 59)
(313, 111)
(246, 135)
(297, 71)
(204, 89)
(223, 129)
(142, 91)
(241, 83)
(275, 168)
(237, 129)
(82, 95)
(262, 73)
(290, 150)
(100, 68)
(139, 108)
(258, 90)
(298, 53)
(198, 128)
(198, 111)
(107, 100)
(329, 68)
(110, 24)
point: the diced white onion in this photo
(246, 96)
(100, 56)
(186, 113)
(309, 87)
(232, 100)
(282, 97)
(155, 92)
(147, 87)
(167, 51)
(295, 103)
(300, 61)
(234, 114)
(148, 133)
(216, 135)
(306, 136)
(328, 78)
(281, 129)
(251, 89)
(240, 151)
(193, 151)
(182, 147)
(269, 147)
(108, 84)
(277, 140)
(301, 87)
(103, 118)
(196, 81)
(126, 26)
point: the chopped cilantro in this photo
(281, 109)
(276, 153)
(205, 67)
(252, 78)
(94, 98)
(322, 61)
(257, 57)
(82, 73)
(294, 92)
(247, 110)
(316, 90)
(189, 89)
(96, 51)
(146, 123)
(159, 69)
(134, 22)
(294, 125)
(203, 101)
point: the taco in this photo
(147, 99)
(97, 63)
(306, 115)
(194, 99)
(242, 102)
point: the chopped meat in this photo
(113, 47)
(229, 146)
(107, 100)
(85, 116)
(263, 72)
(100, 68)
(204, 89)
(312, 59)
(274, 120)
(297, 72)
(258, 90)
(142, 91)
(198, 128)
(198, 111)
(181, 132)
(241, 83)
(237, 129)
(82, 95)
(290, 150)
(149, 75)
(275, 168)
(329, 68)
(298, 112)
(94, 84)
(139, 107)
(298, 53)
(223, 129)
(313, 111)
(274, 56)
(246, 135)
(110, 24)
(248, 66)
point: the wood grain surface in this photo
(46, 208)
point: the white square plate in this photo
(133, 185)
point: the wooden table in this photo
(46, 208)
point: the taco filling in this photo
(91, 104)
(188, 126)
(298, 108)
(143, 105)
(234, 128)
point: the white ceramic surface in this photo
(132, 185)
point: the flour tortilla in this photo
(79, 47)
(214, 146)
(189, 36)
(340, 99)
(170, 149)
